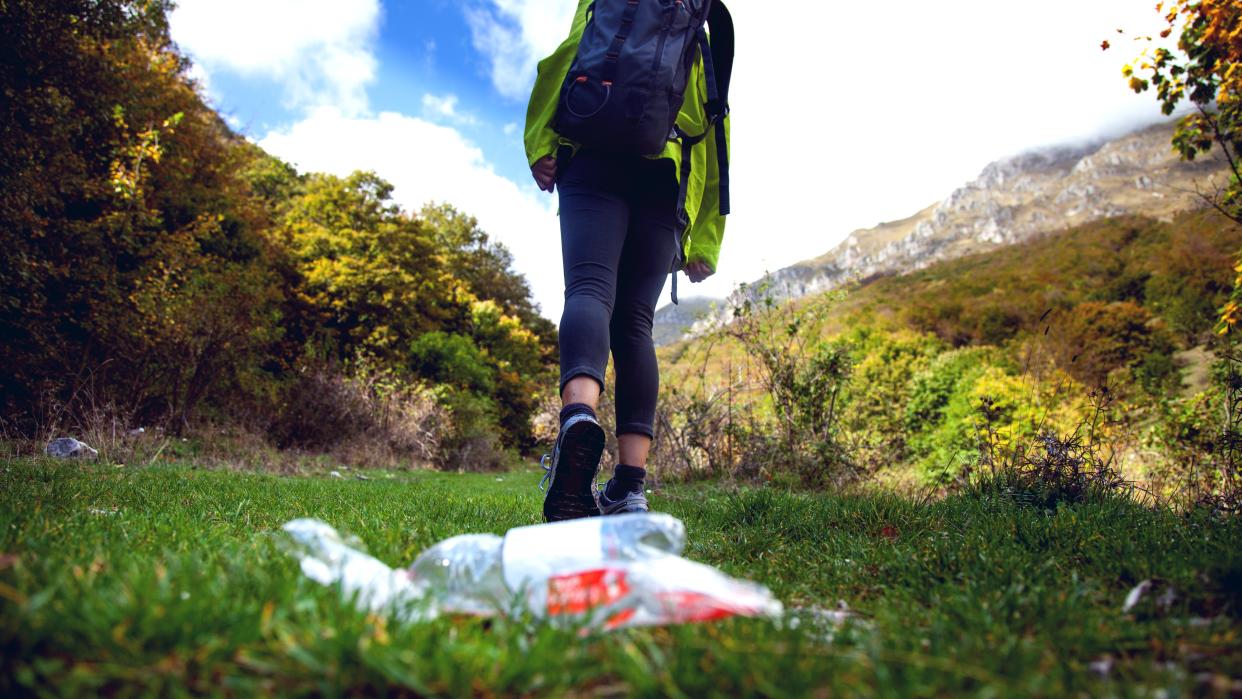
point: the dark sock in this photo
(575, 409)
(625, 479)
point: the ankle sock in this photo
(575, 409)
(625, 479)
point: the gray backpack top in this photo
(627, 82)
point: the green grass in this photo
(170, 579)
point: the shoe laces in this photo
(546, 463)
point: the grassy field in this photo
(171, 579)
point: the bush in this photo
(472, 442)
(1093, 339)
(939, 411)
(369, 417)
(880, 387)
(804, 379)
(450, 359)
(991, 406)
(1047, 470)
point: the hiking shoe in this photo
(630, 502)
(571, 468)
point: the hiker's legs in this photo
(645, 261)
(583, 390)
(632, 449)
(595, 217)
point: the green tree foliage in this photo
(1002, 351)
(373, 277)
(154, 263)
(453, 360)
(1164, 267)
(120, 217)
(486, 266)
(881, 387)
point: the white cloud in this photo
(862, 113)
(445, 108)
(882, 123)
(513, 35)
(510, 129)
(425, 162)
(318, 50)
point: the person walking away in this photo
(633, 208)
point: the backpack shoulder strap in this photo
(721, 56)
(722, 44)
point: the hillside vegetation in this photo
(158, 270)
(1104, 326)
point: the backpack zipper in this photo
(664, 32)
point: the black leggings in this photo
(618, 217)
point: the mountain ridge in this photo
(1013, 199)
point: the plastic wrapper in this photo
(601, 572)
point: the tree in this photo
(372, 276)
(486, 266)
(1208, 74)
(123, 226)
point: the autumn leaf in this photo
(1104, 45)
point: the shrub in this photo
(1093, 339)
(937, 416)
(804, 378)
(1199, 443)
(1006, 409)
(368, 417)
(451, 359)
(880, 386)
(1049, 468)
(471, 442)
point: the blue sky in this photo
(855, 114)
(422, 47)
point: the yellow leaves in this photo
(1228, 318)
(125, 172)
(265, 618)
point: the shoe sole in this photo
(571, 490)
(624, 506)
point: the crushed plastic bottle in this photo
(601, 572)
(327, 558)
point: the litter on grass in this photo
(1162, 601)
(601, 573)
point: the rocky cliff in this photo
(1010, 201)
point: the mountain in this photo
(1012, 200)
(672, 322)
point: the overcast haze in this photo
(844, 114)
